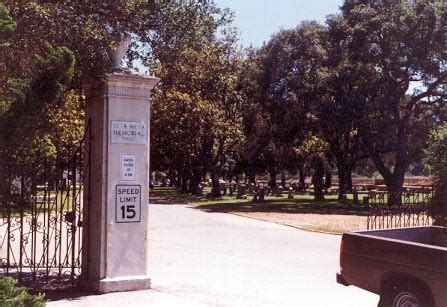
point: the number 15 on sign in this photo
(128, 203)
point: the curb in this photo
(288, 225)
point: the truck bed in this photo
(436, 236)
(368, 258)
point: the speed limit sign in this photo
(128, 203)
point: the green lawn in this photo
(61, 200)
(304, 201)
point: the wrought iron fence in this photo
(408, 208)
(41, 221)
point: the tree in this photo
(315, 150)
(341, 105)
(162, 34)
(7, 28)
(26, 129)
(396, 45)
(197, 99)
(437, 160)
(285, 84)
(85, 27)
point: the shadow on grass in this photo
(303, 206)
(171, 196)
(302, 203)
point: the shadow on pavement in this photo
(286, 206)
(65, 294)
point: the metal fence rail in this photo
(41, 221)
(408, 208)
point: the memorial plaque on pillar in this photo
(128, 132)
(128, 203)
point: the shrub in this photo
(437, 160)
(12, 296)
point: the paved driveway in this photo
(217, 259)
(224, 260)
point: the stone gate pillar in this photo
(116, 193)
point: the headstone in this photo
(295, 187)
(223, 188)
(261, 192)
(355, 195)
(240, 191)
(251, 188)
(200, 189)
(274, 190)
(279, 191)
(290, 193)
(255, 196)
(365, 201)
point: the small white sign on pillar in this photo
(128, 167)
(128, 203)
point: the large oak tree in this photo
(399, 50)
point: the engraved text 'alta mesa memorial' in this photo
(124, 132)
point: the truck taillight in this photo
(341, 255)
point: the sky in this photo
(257, 20)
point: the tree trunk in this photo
(283, 178)
(394, 181)
(215, 185)
(178, 182)
(185, 178)
(172, 179)
(328, 179)
(317, 178)
(349, 180)
(184, 185)
(394, 186)
(344, 178)
(196, 178)
(302, 179)
(272, 182)
(251, 176)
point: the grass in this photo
(301, 202)
(62, 199)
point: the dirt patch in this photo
(336, 224)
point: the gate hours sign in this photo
(128, 203)
(128, 167)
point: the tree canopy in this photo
(370, 83)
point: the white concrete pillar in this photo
(116, 192)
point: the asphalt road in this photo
(216, 259)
